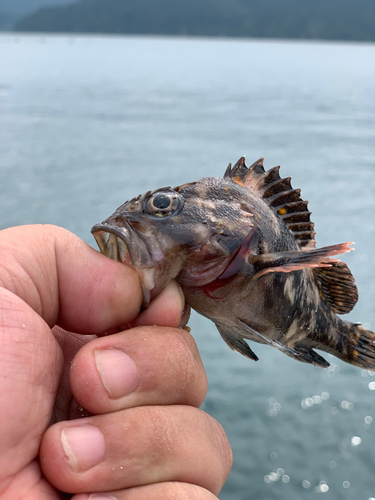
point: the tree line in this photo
(298, 19)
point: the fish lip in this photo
(123, 244)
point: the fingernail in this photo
(83, 445)
(118, 372)
(185, 316)
(173, 287)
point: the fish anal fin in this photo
(236, 343)
(308, 355)
(298, 352)
(337, 286)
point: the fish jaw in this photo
(123, 244)
(111, 245)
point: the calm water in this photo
(88, 122)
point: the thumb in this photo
(30, 370)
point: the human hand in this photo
(145, 436)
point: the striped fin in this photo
(337, 286)
(278, 193)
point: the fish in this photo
(243, 249)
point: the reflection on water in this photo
(88, 122)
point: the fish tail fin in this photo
(360, 349)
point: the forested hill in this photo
(11, 11)
(303, 19)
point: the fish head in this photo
(190, 232)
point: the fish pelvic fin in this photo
(278, 193)
(236, 343)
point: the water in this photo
(88, 122)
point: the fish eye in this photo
(163, 204)
(161, 201)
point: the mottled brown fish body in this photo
(242, 248)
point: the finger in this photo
(66, 281)
(30, 368)
(165, 310)
(141, 366)
(159, 491)
(136, 447)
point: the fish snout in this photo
(111, 243)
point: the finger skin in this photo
(143, 445)
(160, 491)
(170, 370)
(165, 310)
(49, 276)
(30, 368)
(67, 282)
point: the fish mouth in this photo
(111, 244)
(123, 244)
(126, 245)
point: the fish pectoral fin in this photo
(236, 344)
(299, 352)
(286, 262)
(337, 286)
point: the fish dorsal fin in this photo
(241, 174)
(337, 286)
(278, 193)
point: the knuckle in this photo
(220, 443)
(189, 435)
(191, 381)
(171, 490)
(182, 491)
(162, 432)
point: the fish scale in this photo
(243, 249)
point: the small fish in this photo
(242, 248)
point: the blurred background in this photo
(101, 101)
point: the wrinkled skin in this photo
(82, 411)
(242, 248)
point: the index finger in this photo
(66, 281)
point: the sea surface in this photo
(87, 122)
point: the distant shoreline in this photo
(333, 20)
(71, 34)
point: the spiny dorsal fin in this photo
(278, 193)
(337, 286)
